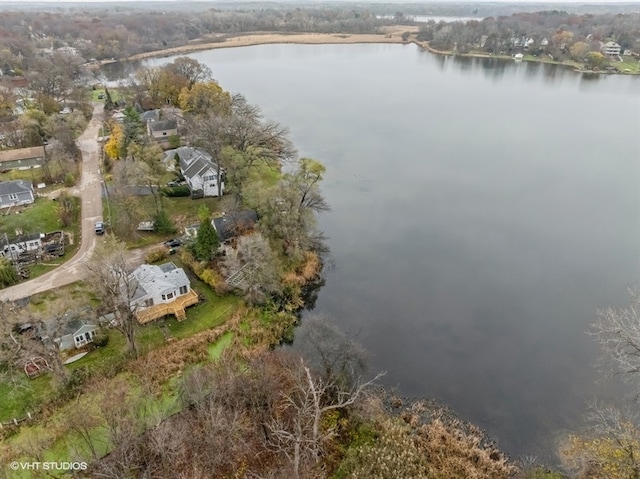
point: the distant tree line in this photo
(560, 34)
(121, 32)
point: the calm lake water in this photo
(482, 211)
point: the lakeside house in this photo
(199, 171)
(22, 158)
(161, 290)
(611, 49)
(237, 223)
(16, 193)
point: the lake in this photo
(482, 212)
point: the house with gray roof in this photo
(162, 129)
(199, 171)
(16, 193)
(150, 115)
(233, 224)
(76, 334)
(22, 158)
(158, 284)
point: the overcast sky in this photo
(601, 2)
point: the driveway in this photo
(90, 188)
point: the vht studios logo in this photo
(48, 466)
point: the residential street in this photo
(91, 197)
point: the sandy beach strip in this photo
(391, 35)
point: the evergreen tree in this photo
(207, 240)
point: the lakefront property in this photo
(464, 252)
(161, 290)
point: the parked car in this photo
(173, 184)
(172, 243)
(100, 228)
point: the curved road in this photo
(91, 197)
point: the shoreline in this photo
(576, 68)
(392, 35)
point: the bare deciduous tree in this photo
(618, 332)
(296, 431)
(115, 286)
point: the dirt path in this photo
(90, 187)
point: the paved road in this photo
(91, 196)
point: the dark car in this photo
(173, 184)
(172, 243)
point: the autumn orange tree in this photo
(114, 147)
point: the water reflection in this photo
(471, 227)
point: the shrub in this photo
(174, 141)
(177, 191)
(215, 280)
(69, 179)
(156, 254)
(101, 339)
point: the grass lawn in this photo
(216, 349)
(115, 94)
(629, 63)
(40, 217)
(34, 175)
(183, 211)
(23, 394)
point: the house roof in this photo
(154, 279)
(198, 167)
(19, 239)
(234, 224)
(15, 187)
(163, 125)
(611, 45)
(22, 154)
(76, 326)
(151, 115)
(192, 160)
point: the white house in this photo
(611, 49)
(199, 171)
(75, 334)
(12, 248)
(158, 284)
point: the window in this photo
(183, 289)
(148, 303)
(170, 295)
(13, 197)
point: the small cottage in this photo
(16, 193)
